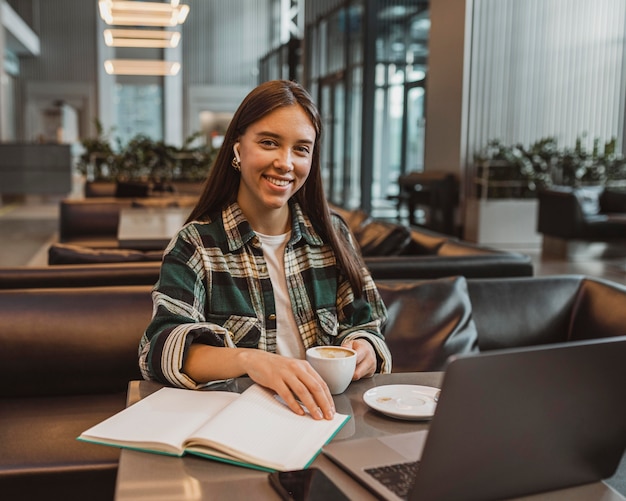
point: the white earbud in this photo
(236, 151)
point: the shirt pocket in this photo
(328, 325)
(245, 330)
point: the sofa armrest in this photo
(599, 311)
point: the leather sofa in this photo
(66, 355)
(88, 235)
(93, 222)
(589, 214)
(397, 251)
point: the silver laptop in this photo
(508, 423)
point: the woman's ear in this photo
(236, 151)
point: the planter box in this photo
(509, 223)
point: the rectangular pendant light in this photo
(130, 13)
(141, 38)
(141, 67)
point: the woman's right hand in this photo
(294, 380)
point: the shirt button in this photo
(272, 317)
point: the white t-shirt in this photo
(288, 340)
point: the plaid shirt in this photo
(215, 289)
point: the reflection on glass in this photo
(416, 125)
(139, 111)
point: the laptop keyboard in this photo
(398, 478)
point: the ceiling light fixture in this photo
(141, 38)
(141, 67)
(126, 13)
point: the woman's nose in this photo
(284, 160)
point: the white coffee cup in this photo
(335, 364)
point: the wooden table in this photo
(150, 228)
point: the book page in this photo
(258, 428)
(161, 421)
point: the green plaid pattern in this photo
(215, 288)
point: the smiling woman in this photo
(262, 270)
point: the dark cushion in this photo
(378, 238)
(77, 254)
(429, 321)
(613, 201)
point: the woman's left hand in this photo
(365, 358)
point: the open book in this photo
(254, 429)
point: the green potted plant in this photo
(142, 161)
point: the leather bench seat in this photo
(41, 458)
(66, 357)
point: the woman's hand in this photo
(294, 380)
(365, 358)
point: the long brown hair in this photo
(222, 183)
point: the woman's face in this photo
(275, 153)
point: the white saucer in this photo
(403, 401)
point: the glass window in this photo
(336, 42)
(139, 111)
(339, 153)
(416, 127)
(355, 33)
(353, 146)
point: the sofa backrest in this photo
(430, 320)
(89, 217)
(71, 340)
(79, 275)
(84, 340)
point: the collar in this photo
(239, 232)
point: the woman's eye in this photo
(268, 143)
(303, 149)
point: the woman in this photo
(262, 271)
